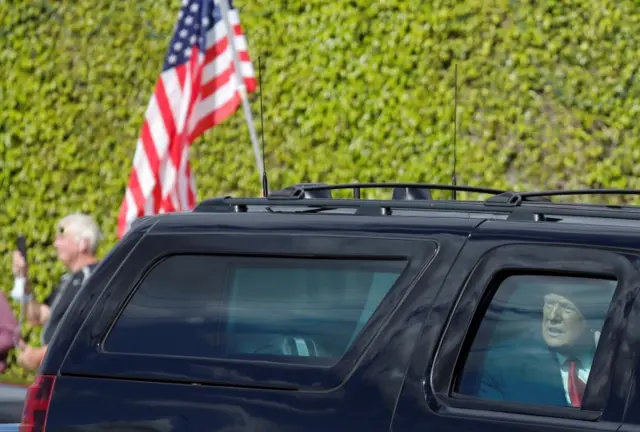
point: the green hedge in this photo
(353, 90)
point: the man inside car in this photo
(553, 369)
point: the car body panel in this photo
(216, 395)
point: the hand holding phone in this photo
(20, 284)
(20, 258)
(22, 246)
(20, 270)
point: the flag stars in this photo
(195, 21)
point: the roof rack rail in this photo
(516, 198)
(505, 198)
(404, 191)
(407, 198)
(302, 190)
(241, 205)
(567, 192)
(532, 211)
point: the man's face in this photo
(562, 322)
(66, 245)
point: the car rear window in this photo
(252, 308)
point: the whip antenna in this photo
(265, 182)
(455, 128)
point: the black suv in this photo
(305, 312)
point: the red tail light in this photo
(36, 405)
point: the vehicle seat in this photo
(292, 346)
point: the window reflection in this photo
(233, 307)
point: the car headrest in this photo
(292, 346)
(409, 193)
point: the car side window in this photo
(536, 341)
(276, 309)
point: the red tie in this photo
(576, 385)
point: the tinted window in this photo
(537, 339)
(277, 309)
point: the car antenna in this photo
(265, 182)
(455, 128)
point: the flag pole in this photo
(224, 8)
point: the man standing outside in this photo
(76, 243)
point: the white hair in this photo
(84, 228)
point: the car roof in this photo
(415, 200)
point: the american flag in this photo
(197, 89)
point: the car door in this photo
(487, 360)
(630, 356)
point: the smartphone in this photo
(22, 245)
(19, 284)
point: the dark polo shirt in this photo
(60, 299)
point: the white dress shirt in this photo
(586, 361)
(583, 371)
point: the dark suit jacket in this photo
(524, 371)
